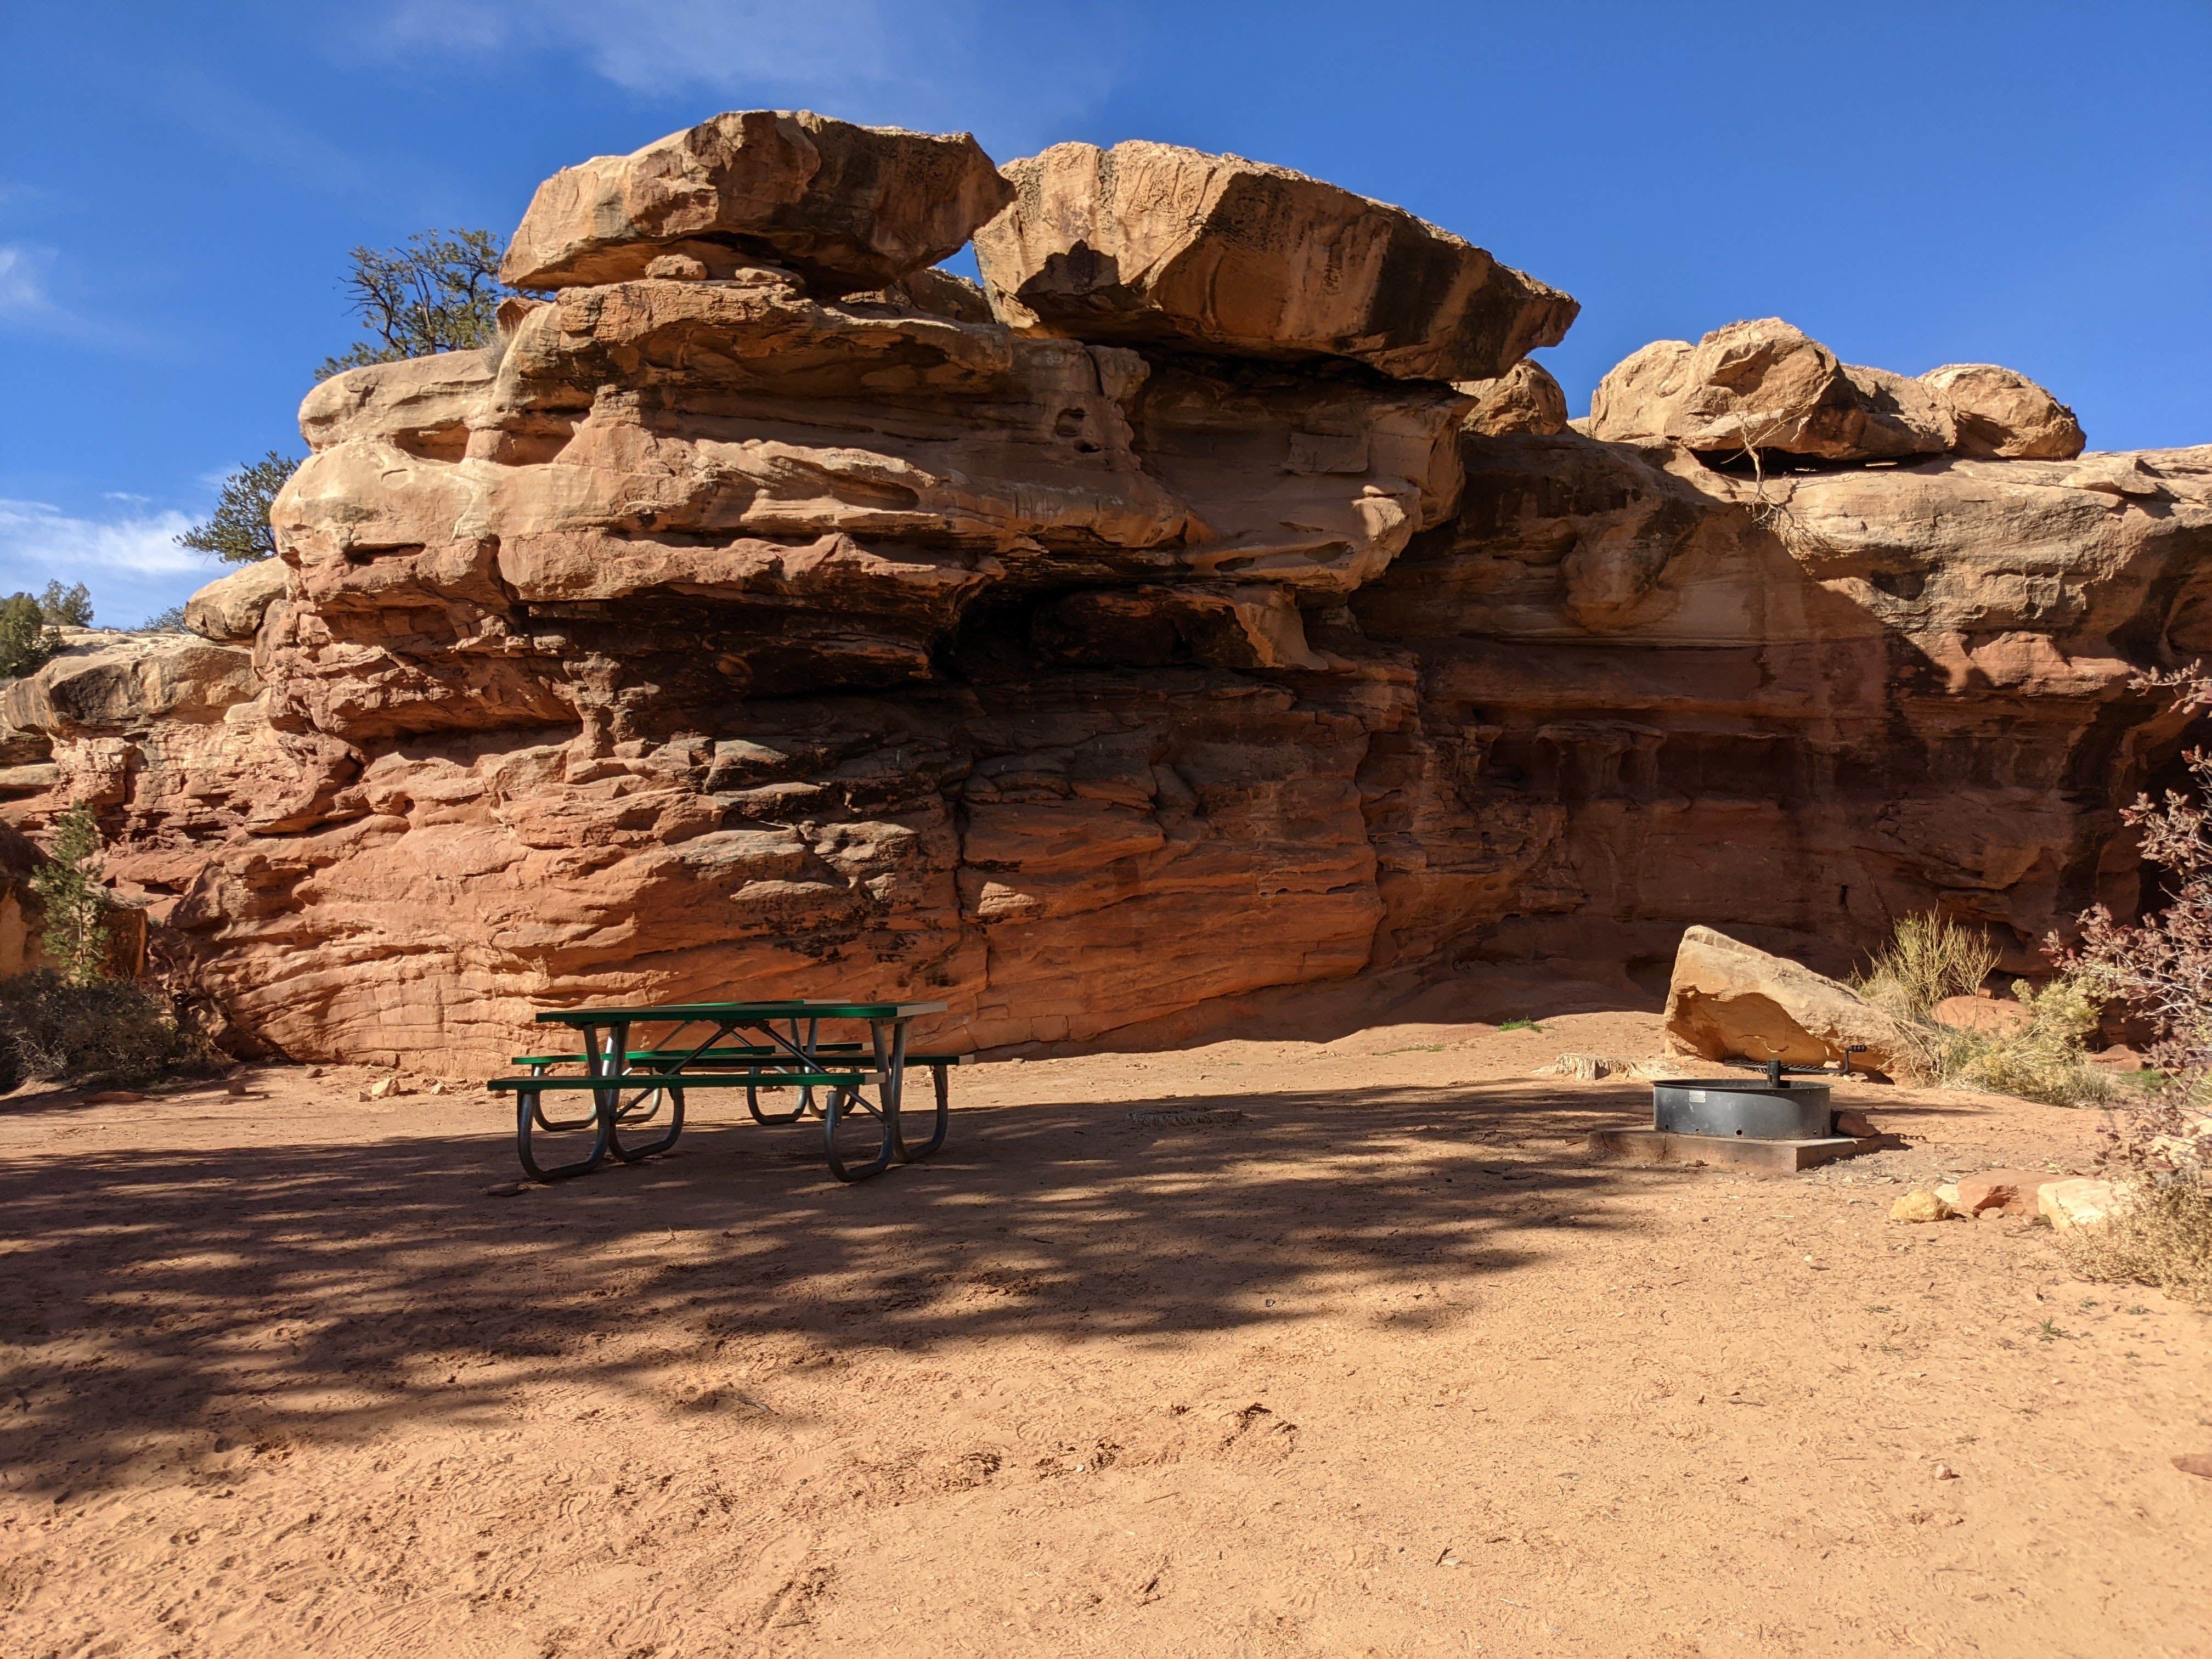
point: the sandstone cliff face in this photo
(728, 631)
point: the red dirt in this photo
(1386, 1367)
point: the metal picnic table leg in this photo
(529, 1109)
(940, 1119)
(752, 1095)
(673, 1094)
(890, 1065)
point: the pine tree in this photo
(76, 932)
(66, 607)
(239, 533)
(432, 293)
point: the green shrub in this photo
(2046, 1060)
(1930, 958)
(27, 643)
(110, 1031)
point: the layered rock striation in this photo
(1098, 667)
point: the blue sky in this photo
(179, 183)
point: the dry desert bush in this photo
(1930, 958)
(107, 1031)
(2159, 1147)
(2162, 1236)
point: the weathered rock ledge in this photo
(730, 627)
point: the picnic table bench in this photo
(631, 1087)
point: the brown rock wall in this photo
(708, 637)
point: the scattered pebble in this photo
(503, 1189)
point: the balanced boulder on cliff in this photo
(1767, 385)
(847, 208)
(1149, 243)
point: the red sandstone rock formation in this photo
(713, 634)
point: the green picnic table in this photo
(852, 1084)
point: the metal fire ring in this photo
(1733, 1107)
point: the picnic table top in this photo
(788, 1008)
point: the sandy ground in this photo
(1386, 1367)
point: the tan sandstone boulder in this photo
(2082, 1202)
(230, 608)
(2003, 415)
(1524, 398)
(1154, 243)
(1728, 1001)
(1995, 1016)
(1767, 384)
(848, 208)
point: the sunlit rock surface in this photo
(713, 635)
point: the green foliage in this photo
(109, 1030)
(66, 607)
(75, 932)
(435, 292)
(170, 621)
(239, 531)
(1929, 958)
(26, 640)
(2044, 1061)
(1518, 1025)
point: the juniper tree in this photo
(27, 639)
(66, 607)
(437, 291)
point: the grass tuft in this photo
(1929, 958)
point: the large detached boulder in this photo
(1149, 243)
(1525, 398)
(848, 208)
(230, 608)
(1728, 1000)
(1767, 385)
(2001, 414)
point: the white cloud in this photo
(943, 62)
(23, 292)
(663, 45)
(132, 562)
(40, 540)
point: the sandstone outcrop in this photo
(1152, 245)
(845, 207)
(2001, 414)
(710, 633)
(229, 609)
(1766, 385)
(1525, 398)
(1729, 1001)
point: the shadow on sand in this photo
(309, 1292)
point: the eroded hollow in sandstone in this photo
(723, 628)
